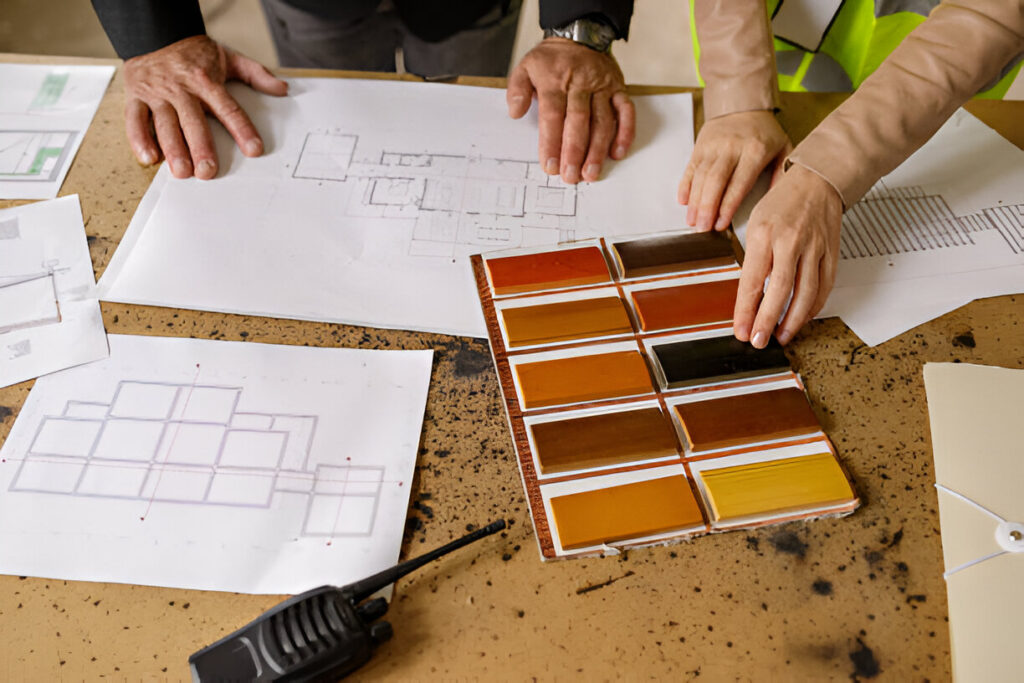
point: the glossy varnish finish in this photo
(685, 305)
(747, 418)
(628, 511)
(674, 253)
(565, 321)
(583, 378)
(602, 440)
(547, 270)
(698, 361)
(777, 486)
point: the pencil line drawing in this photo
(901, 220)
(34, 155)
(190, 444)
(455, 204)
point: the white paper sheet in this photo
(946, 227)
(44, 113)
(49, 316)
(214, 465)
(370, 198)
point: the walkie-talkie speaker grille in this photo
(304, 630)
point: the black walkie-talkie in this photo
(320, 635)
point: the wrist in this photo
(818, 184)
(591, 32)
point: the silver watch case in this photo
(594, 34)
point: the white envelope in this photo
(977, 425)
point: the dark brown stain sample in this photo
(674, 253)
(737, 420)
(700, 361)
(601, 440)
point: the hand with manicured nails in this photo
(169, 92)
(792, 239)
(585, 115)
(730, 153)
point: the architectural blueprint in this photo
(217, 465)
(49, 314)
(44, 112)
(370, 198)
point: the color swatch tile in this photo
(674, 253)
(665, 308)
(767, 488)
(583, 378)
(701, 361)
(565, 321)
(603, 440)
(618, 513)
(747, 418)
(548, 270)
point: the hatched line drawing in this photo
(901, 220)
(190, 444)
(454, 204)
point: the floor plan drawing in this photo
(458, 204)
(34, 156)
(909, 219)
(189, 444)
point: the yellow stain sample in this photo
(775, 486)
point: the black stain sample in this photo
(700, 360)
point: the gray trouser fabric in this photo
(306, 40)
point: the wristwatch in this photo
(595, 34)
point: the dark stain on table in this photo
(864, 663)
(5, 413)
(596, 586)
(965, 340)
(822, 587)
(788, 543)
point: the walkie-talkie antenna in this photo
(364, 588)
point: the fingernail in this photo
(180, 168)
(784, 336)
(253, 148)
(593, 171)
(572, 174)
(551, 167)
(206, 168)
(518, 99)
(758, 341)
(147, 157)
(721, 224)
(620, 152)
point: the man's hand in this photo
(793, 237)
(168, 91)
(730, 153)
(585, 114)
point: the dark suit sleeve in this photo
(555, 13)
(136, 27)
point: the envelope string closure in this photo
(1009, 535)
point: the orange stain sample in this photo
(565, 321)
(583, 378)
(776, 486)
(685, 305)
(548, 270)
(602, 440)
(623, 512)
(747, 418)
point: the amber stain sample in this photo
(700, 361)
(674, 253)
(565, 321)
(738, 420)
(602, 440)
(685, 305)
(548, 270)
(583, 378)
(777, 486)
(619, 513)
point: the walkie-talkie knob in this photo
(371, 610)
(381, 631)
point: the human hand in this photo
(585, 115)
(729, 155)
(169, 90)
(793, 237)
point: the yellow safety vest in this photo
(837, 46)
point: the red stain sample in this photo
(548, 270)
(704, 303)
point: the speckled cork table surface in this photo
(853, 598)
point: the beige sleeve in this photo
(737, 56)
(952, 55)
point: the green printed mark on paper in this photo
(50, 91)
(42, 155)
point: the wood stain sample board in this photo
(637, 417)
